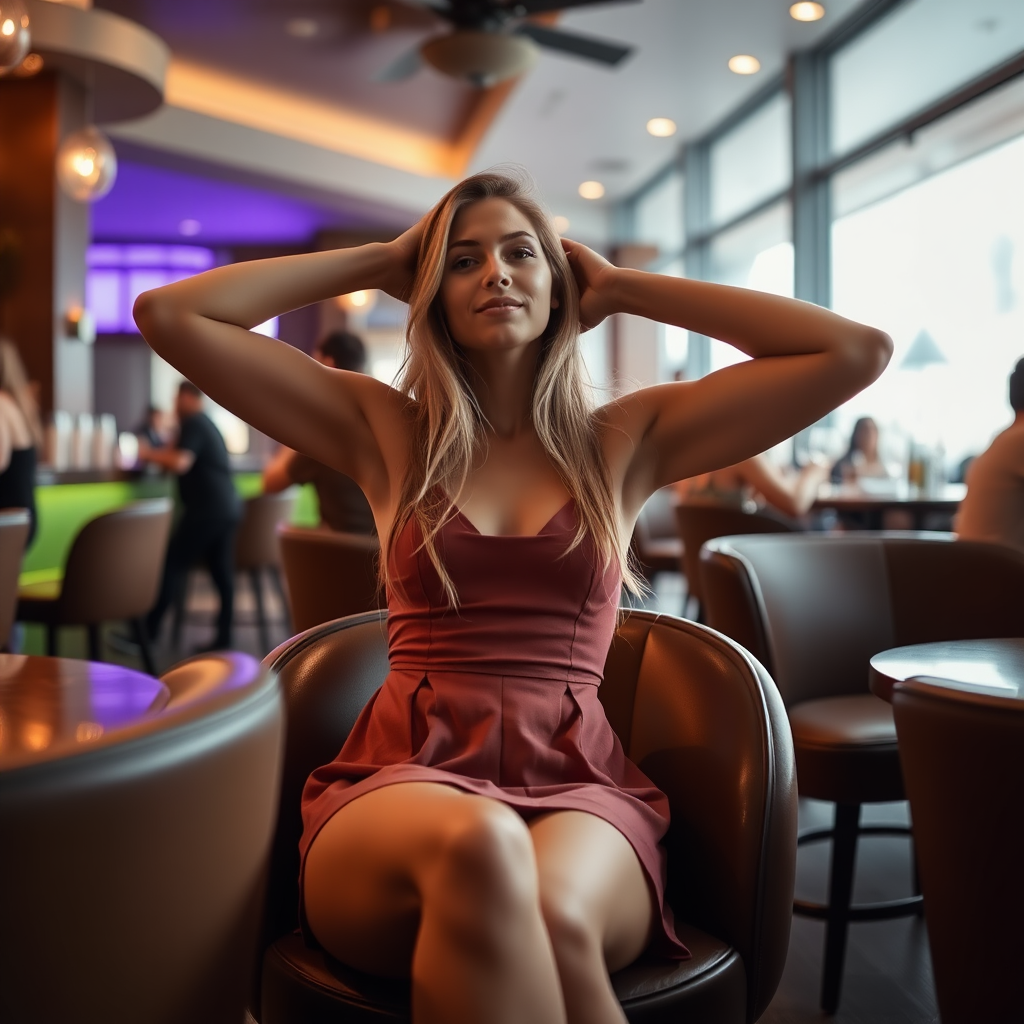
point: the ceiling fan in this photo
(491, 40)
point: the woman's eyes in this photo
(520, 252)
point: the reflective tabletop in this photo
(53, 707)
(994, 668)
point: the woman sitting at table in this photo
(755, 483)
(481, 830)
(861, 458)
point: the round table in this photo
(994, 668)
(52, 707)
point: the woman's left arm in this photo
(805, 361)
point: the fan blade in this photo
(523, 7)
(580, 46)
(403, 67)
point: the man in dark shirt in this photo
(343, 506)
(211, 511)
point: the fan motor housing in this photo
(482, 58)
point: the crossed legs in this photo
(495, 921)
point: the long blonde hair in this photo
(448, 424)
(14, 380)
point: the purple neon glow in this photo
(153, 204)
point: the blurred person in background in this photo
(343, 506)
(753, 483)
(861, 459)
(993, 508)
(153, 429)
(21, 435)
(211, 511)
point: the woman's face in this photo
(867, 439)
(496, 288)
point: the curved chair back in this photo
(15, 524)
(700, 523)
(256, 541)
(814, 609)
(115, 564)
(691, 708)
(963, 767)
(329, 574)
(132, 870)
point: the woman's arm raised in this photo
(202, 327)
(806, 361)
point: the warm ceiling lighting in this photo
(744, 64)
(302, 28)
(31, 65)
(591, 190)
(560, 223)
(807, 12)
(360, 302)
(661, 127)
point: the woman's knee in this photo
(575, 934)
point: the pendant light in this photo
(15, 41)
(86, 165)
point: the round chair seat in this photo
(301, 983)
(846, 749)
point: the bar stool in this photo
(257, 552)
(329, 574)
(15, 524)
(112, 574)
(814, 609)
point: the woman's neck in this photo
(503, 383)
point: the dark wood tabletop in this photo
(993, 668)
(52, 707)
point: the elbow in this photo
(868, 352)
(152, 314)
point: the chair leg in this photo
(844, 857)
(51, 640)
(94, 642)
(142, 639)
(261, 612)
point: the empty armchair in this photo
(688, 705)
(329, 574)
(814, 609)
(132, 869)
(112, 574)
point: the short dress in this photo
(498, 697)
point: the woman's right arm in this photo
(792, 495)
(201, 326)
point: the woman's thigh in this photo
(590, 878)
(368, 867)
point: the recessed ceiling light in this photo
(807, 12)
(661, 127)
(190, 226)
(561, 224)
(302, 28)
(591, 190)
(744, 64)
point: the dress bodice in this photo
(510, 588)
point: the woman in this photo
(481, 830)
(861, 458)
(21, 435)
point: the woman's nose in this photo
(497, 274)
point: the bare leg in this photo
(596, 905)
(420, 878)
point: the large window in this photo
(940, 267)
(659, 215)
(923, 50)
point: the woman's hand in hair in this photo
(595, 278)
(403, 255)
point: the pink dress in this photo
(499, 696)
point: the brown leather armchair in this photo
(963, 764)
(814, 609)
(694, 712)
(132, 870)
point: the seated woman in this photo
(481, 831)
(861, 458)
(754, 483)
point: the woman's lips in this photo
(502, 310)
